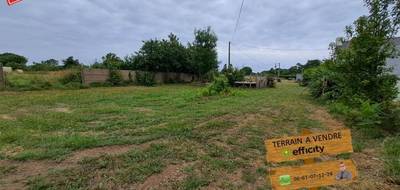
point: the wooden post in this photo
(310, 160)
(2, 78)
(229, 54)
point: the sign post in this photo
(307, 147)
(309, 161)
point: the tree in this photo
(166, 55)
(13, 60)
(112, 61)
(362, 66)
(312, 64)
(48, 65)
(246, 70)
(203, 53)
(70, 62)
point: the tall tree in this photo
(203, 52)
(112, 61)
(13, 60)
(70, 62)
(362, 66)
(246, 70)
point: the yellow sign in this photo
(309, 146)
(313, 175)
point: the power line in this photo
(238, 20)
(282, 49)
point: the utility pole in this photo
(229, 54)
(279, 70)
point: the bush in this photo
(24, 82)
(232, 74)
(322, 81)
(219, 86)
(115, 78)
(145, 78)
(73, 77)
(392, 155)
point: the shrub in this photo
(27, 82)
(73, 77)
(145, 78)
(115, 78)
(220, 85)
(232, 74)
(323, 81)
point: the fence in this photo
(256, 82)
(2, 78)
(90, 76)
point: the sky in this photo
(269, 31)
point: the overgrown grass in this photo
(40, 80)
(216, 136)
(392, 158)
(217, 141)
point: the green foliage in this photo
(203, 51)
(70, 62)
(322, 81)
(68, 79)
(115, 78)
(200, 57)
(13, 60)
(392, 161)
(48, 65)
(109, 61)
(232, 74)
(161, 56)
(73, 77)
(357, 76)
(145, 78)
(292, 71)
(246, 71)
(219, 86)
(27, 82)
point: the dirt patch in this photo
(326, 119)
(143, 110)
(371, 168)
(62, 110)
(171, 174)
(25, 170)
(7, 117)
(97, 152)
(11, 151)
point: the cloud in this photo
(285, 31)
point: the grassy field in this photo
(166, 137)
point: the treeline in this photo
(166, 55)
(292, 71)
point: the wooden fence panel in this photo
(95, 76)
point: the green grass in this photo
(29, 81)
(220, 137)
(392, 158)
